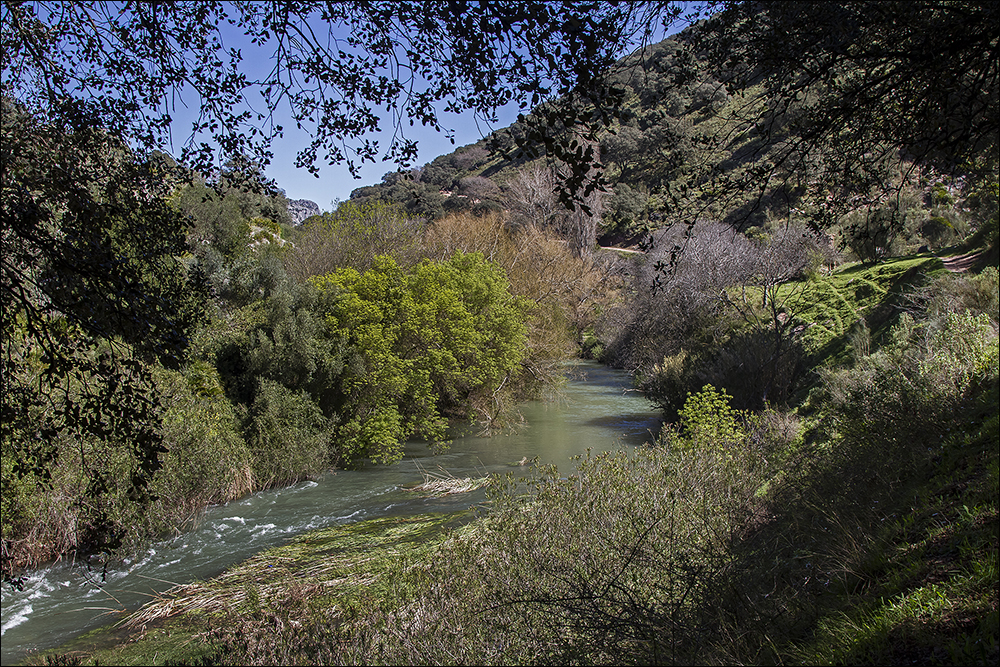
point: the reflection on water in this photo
(594, 411)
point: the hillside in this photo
(784, 248)
(688, 147)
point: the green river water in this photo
(593, 411)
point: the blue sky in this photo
(335, 181)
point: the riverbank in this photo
(858, 527)
(715, 539)
(591, 410)
(334, 577)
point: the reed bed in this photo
(326, 562)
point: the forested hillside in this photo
(782, 222)
(693, 142)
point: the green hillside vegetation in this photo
(690, 147)
(858, 526)
(808, 292)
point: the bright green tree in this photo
(433, 342)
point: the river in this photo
(593, 411)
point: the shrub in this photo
(955, 292)
(905, 395)
(696, 306)
(624, 560)
(753, 367)
(668, 307)
(668, 383)
(439, 340)
(287, 434)
(709, 421)
(207, 460)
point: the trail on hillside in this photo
(961, 263)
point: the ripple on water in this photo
(18, 616)
(266, 529)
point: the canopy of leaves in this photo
(432, 341)
(840, 91)
(128, 67)
(89, 258)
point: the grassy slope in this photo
(922, 581)
(927, 577)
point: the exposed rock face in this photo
(300, 209)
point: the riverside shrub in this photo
(908, 392)
(437, 341)
(625, 560)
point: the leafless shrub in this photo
(532, 199)
(352, 236)
(479, 188)
(470, 157)
(667, 309)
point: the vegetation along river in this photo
(593, 411)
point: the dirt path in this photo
(961, 263)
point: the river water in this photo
(593, 411)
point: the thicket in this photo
(324, 345)
(859, 528)
(439, 340)
(722, 311)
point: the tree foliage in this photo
(844, 89)
(333, 64)
(432, 342)
(92, 293)
(353, 235)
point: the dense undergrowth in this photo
(331, 350)
(856, 526)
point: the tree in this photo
(865, 77)
(626, 209)
(845, 90)
(435, 341)
(92, 294)
(531, 197)
(333, 63)
(353, 236)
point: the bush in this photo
(905, 395)
(624, 560)
(669, 307)
(287, 434)
(668, 383)
(207, 460)
(956, 292)
(438, 341)
(709, 421)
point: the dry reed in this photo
(444, 483)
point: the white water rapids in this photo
(60, 602)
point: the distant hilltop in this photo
(300, 209)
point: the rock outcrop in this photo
(300, 209)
